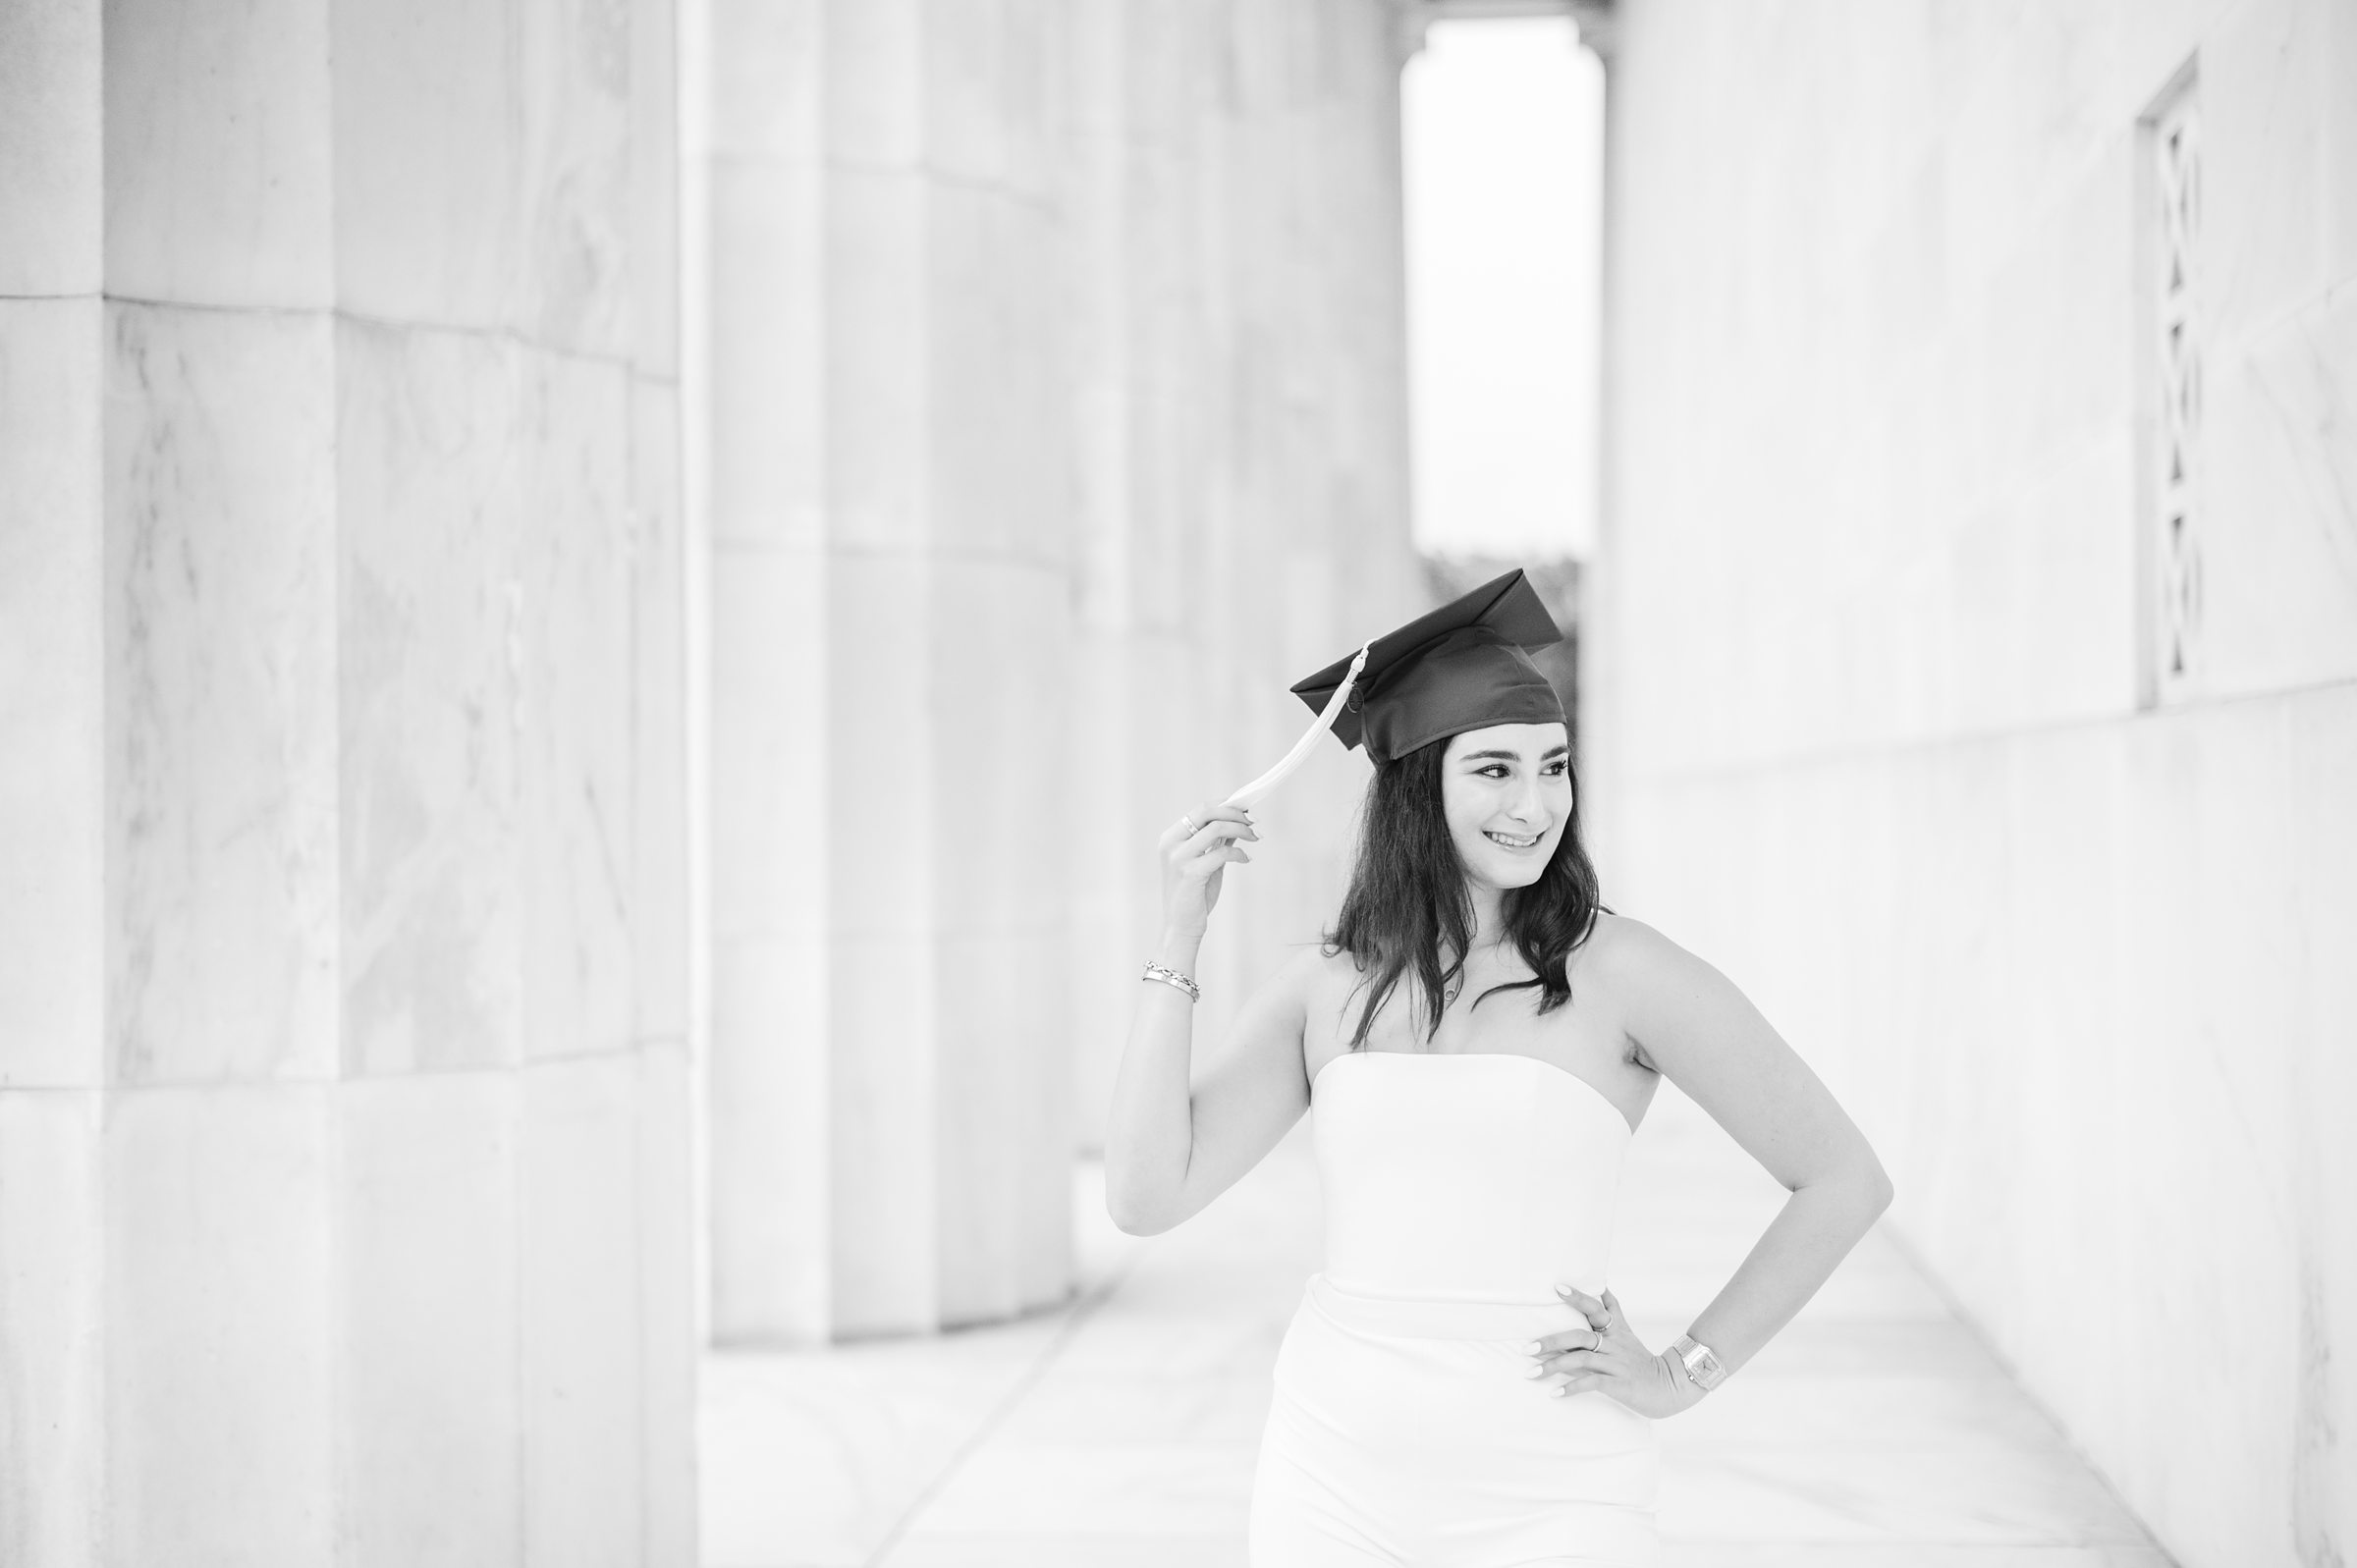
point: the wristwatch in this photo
(1706, 1369)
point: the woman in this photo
(1458, 1386)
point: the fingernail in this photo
(1532, 1347)
(1557, 1390)
(1534, 1372)
(1563, 1290)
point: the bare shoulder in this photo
(1322, 983)
(1641, 969)
(1317, 980)
(1274, 1025)
(1293, 984)
(1630, 955)
(1308, 969)
(1678, 1009)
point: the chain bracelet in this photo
(1173, 978)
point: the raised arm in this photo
(1690, 1023)
(1173, 1139)
(1178, 1139)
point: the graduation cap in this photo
(1460, 666)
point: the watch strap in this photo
(1702, 1364)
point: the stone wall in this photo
(1055, 376)
(1879, 726)
(344, 1106)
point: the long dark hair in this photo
(1407, 894)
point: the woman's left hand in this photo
(1607, 1356)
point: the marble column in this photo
(343, 1109)
(1057, 425)
(889, 521)
(52, 789)
(1245, 470)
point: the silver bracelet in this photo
(1172, 977)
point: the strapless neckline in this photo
(1591, 1093)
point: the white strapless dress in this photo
(1460, 1190)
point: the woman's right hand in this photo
(1193, 863)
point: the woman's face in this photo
(1512, 781)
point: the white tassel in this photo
(1250, 795)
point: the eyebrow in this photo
(1512, 756)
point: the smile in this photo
(1511, 844)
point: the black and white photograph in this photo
(1178, 783)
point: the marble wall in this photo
(1866, 678)
(1056, 390)
(344, 1085)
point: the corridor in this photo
(1876, 1431)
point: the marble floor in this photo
(1119, 1430)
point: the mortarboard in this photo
(1460, 666)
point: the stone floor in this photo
(1119, 1430)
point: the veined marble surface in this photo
(1119, 1430)
(1060, 344)
(221, 646)
(344, 1175)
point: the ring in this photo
(1191, 829)
(1606, 1327)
